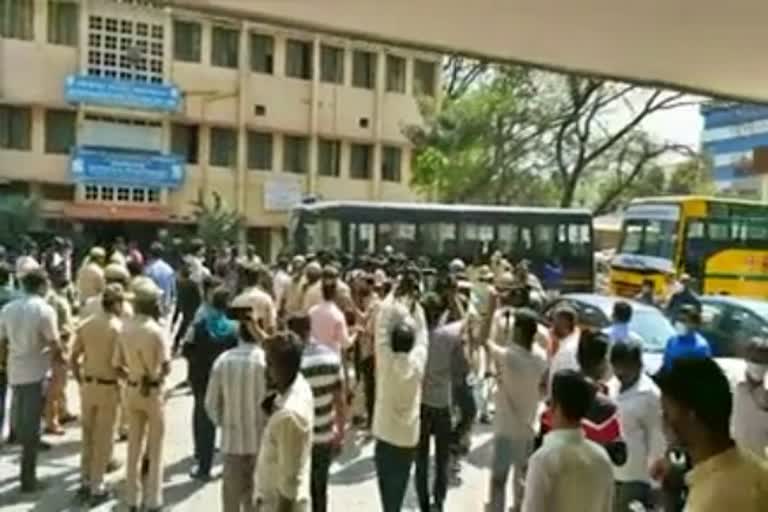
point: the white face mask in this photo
(681, 328)
(756, 371)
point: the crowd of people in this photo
(284, 360)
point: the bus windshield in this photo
(649, 237)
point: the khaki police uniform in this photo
(144, 355)
(96, 343)
(56, 399)
(90, 281)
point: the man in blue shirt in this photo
(162, 274)
(688, 343)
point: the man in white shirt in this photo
(639, 402)
(569, 473)
(263, 307)
(564, 344)
(281, 280)
(522, 367)
(283, 473)
(619, 331)
(750, 403)
(401, 356)
(29, 330)
(233, 402)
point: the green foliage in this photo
(521, 136)
(19, 216)
(216, 223)
(693, 176)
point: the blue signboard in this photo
(133, 168)
(122, 93)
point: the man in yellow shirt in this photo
(697, 404)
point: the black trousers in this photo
(464, 398)
(203, 433)
(434, 422)
(393, 470)
(321, 464)
(368, 370)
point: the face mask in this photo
(681, 328)
(756, 371)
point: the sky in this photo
(682, 126)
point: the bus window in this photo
(633, 237)
(439, 238)
(475, 239)
(508, 238)
(401, 236)
(545, 240)
(362, 238)
(330, 234)
(579, 240)
(650, 237)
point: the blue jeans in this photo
(204, 434)
(28, 407)
(393, 468)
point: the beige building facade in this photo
(267, 114)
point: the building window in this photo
(295, 154)
(328, 157)
(107, 193)
(187, 37)
(63, 22)
(364, 69)
(185, 141)
(138, 195)
(298, 59)
(331, 64)
(125, 49)
(223, 147)
(225, 47)
(15, 127)
(260, 151)
(59, 131)
(391, 160)
(123, 194)
(17, 19)
(423, 78)
(91, 193)
(262, 53)
(360, 160)
(153, 195)
(395, 74)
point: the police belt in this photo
(96, 380)
(151, 383)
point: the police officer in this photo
(92, 357)
(143, 354)
(113, 273)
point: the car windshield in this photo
(649, 237)
(653, 327)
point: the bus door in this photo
(361, 237)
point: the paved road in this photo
(353, 483)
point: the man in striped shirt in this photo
(321, 367)
(233, 400)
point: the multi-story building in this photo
(735, 137)
(120, 114)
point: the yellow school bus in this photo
(721, 243)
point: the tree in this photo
(19, 215)
(216, 224)
(694, 176)
(517, 135)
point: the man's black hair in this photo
(300, 325)
(690, 313)
(622, 311)
(592, 351)
(627, 353)
(433, 309)
(251, 274)
(700, 385)
(526, 323)
(33, 281)
(221, 298)
(156, 250)
(286, 350)
(568, 312)
(403, 337)
(5, 274)
(134, 267)
(573, 393)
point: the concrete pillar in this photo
(313, 117)
(378, 124)
(242, 115)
